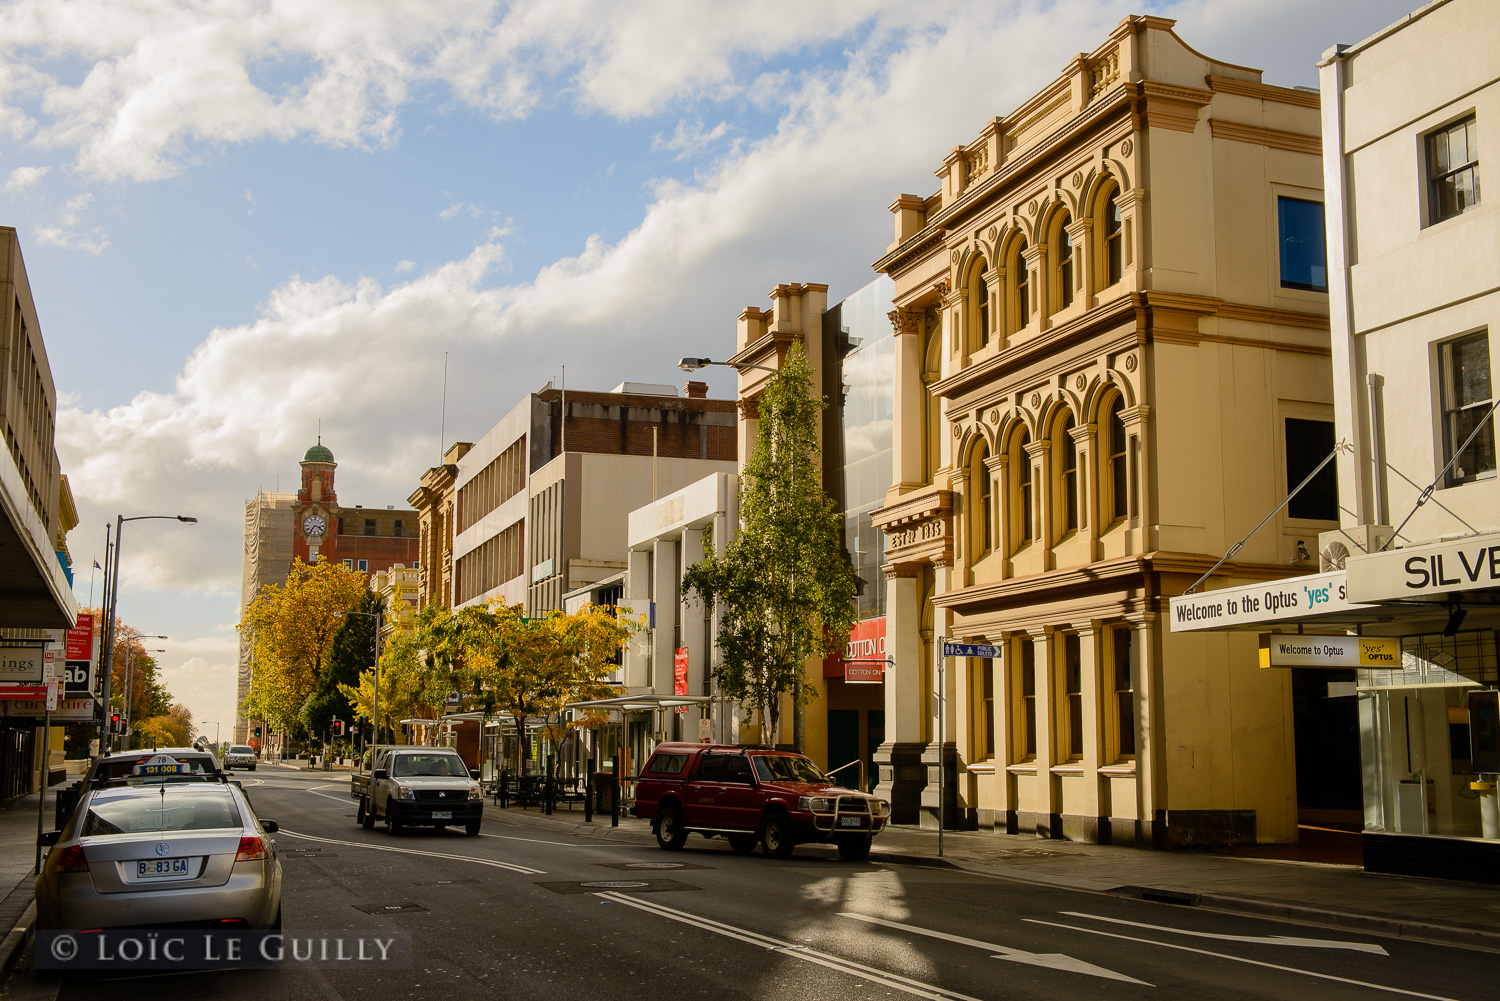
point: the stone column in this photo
(998, 465)
(695, 632)
(1141, 473)
(1085, 438)
(944, 755)
(664, 593)
(906, 438)
(1093, 727)
(1150, 744)
(1080, 231)
(1043, 503)
(899, 758)
(1035, 256)
(1048, 825)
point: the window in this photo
(1064, 271)
(1466, 402)
(1067, 449)
(1307, 444)
(983, 510)
(349, 564)
(1020, 461)
(1119, 452)
(1027, 728)
(1453, 169)
(1073, 693)
(987, 709)
(1304, 260)
(363, 566)
(1114, 243)
(369, 526)
(397, 530)
(1124, 692)
(1021, 293)
(982, 295)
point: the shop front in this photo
(856, 704)
(1407, 641)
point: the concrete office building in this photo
(544, 496)
(1111, 361)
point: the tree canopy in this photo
(352, 653)
(784, 586)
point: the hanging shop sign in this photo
(1272, 601)
(1422, 571)
(863, 662)
(680, 674)
(78, 642)
(21, 663)
(1297, 650)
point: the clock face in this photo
(314, 525)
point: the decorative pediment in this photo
(918, 529)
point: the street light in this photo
(375, 697)
(694, 364)
(205, 722)
(114, 604)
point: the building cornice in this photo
(1264, 91)
(1295, 142)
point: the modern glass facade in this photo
(862, 337)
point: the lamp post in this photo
(216, 730)
(375, 697)
(114, 604)
(694, 364)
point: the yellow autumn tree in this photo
(290, 628)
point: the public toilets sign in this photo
(1272, 601)
(1420, 571)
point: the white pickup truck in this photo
(418, 786)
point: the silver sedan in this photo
(149, 851)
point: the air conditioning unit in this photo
(1337, 546)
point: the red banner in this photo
(79, 642)
(867, 646)
(680, 674)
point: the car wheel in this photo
(670, 833)
(776, 836)
(472, 828)
(252, 768)
(277, 925)
(366, 814)
(854, 849)
(743, 844)
(392, 822)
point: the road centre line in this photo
(1242, 959)
(1288, 940)
(524, 870)
(1046, 960)
(805, 953)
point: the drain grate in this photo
(649, 866)
(619, 886)
(389, 908)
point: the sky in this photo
(246, 219)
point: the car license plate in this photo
(851, 822)
(442, 814)
(162, 868)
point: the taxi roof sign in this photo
(159, 764)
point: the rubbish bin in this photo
(604, 792)
(67, 798)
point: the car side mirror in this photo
(380, 773)
(270, 826)
(48, 839)
(474, 774)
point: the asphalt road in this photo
(520, 913)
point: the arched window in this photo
(1063, 249)
(1021, 498)
(984, 506)
(1020, 284)
(1067, 449)
(1119, 448)
(979, 298)
(1114, 240)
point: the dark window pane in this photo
(1471, 364)
(1304, 262)
(1118, 450)
(1440, 153)
(1124, 692)
(1307, 444)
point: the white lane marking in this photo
(1047, 960)
(1242, 959)
(1301, 943)
(802, 952)
(525, 870)
(559, 844)
(337, 799)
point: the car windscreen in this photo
(200, 765)
(238, 749)
(443, 765)
(160, 809)
(786, 768)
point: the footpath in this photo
(1330, 896)
(17, 858)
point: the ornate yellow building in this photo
(1112, 356)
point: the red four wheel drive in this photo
(750, 795)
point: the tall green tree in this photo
(784, 586)
(352, 653)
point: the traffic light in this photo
(114, 724)
(257, 731)
(338, 728)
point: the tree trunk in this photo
(799, 725)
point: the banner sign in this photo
(68, 710)
(1272, 601)
(1422, 571)
(866, 643)
(1296, 650)
(21, 663)
(680, 675)
(79, 641)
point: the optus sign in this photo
(863, 662)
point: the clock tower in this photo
(314, 532)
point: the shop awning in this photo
(643, 703)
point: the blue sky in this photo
(240, 218)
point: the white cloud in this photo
(249, 204)
(461, 208)
(690, 138)
(404, 267)
(95, 241)
(24, 177)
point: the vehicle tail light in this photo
(252, 849)
(69, 859)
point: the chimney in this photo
(696, 390)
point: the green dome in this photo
(318, 453)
